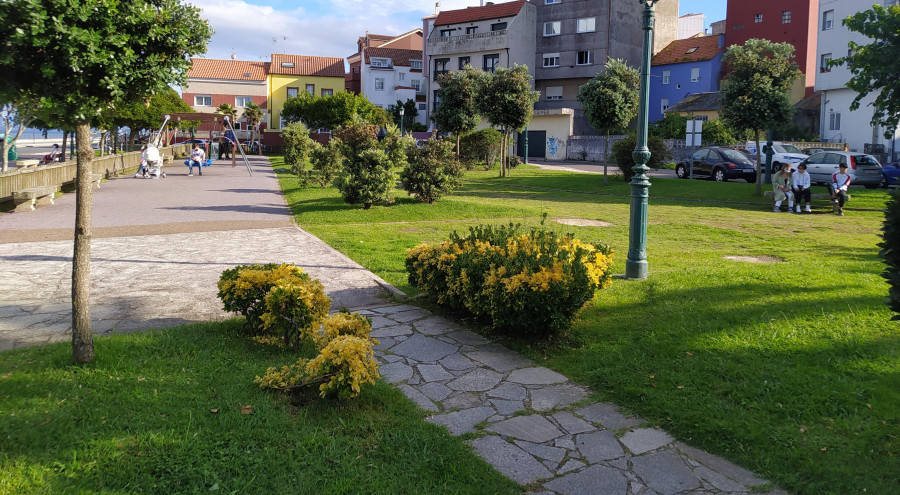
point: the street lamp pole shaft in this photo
(636, 263)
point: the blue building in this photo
(682, 68)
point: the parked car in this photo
(890, 174)
(201, 142)
(721, 164)
(863, 169)
(784, 153)
(253, 147)
(813, 151)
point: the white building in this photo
(838, 122)
(690, 25)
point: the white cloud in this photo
(318, 27)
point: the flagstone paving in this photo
(534, 426)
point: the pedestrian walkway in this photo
(160, 246)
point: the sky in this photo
(254, 29)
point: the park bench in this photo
(27, 163)
(815, 196)
(26, 199)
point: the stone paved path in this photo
(535, 426)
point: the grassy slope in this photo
(790, 369)
(139, 420)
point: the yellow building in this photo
(290, 74)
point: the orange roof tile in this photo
(700, 48)
(470, 14)
(307, 65)
(240, 70)
(399, 56)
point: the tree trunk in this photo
(458, 136)
(759, 166)
(62, 152)
(82, 339)
(606, 159)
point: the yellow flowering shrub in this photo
(534, 282)
(342, 367)
(343, 323)
(243, 288)
(295, 307)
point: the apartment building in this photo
(781, 21)
(684, 68)
(212, 82)
(388, 69)
(290, 74)
(838, 122)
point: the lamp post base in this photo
(636, 270)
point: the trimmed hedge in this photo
(532, 282)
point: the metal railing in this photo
(447, 39)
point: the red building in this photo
(213, 82)
(781, 21)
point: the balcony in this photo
(445, 45)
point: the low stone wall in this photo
(589, 148)
(58, 174)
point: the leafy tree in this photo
(457, 110)
(431, 171)
(481, 146)
(671, 126)
(507, 101)
(875, 66)
(79, 58)
(333, 111)
(253, 114)
(228, 110)
(610, 100)
(410, 112)
(717, 132)
(755, 90)
(148, 115)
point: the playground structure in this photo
(206, 117)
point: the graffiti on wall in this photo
(554, 144)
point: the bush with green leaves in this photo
(622, 154)
(295, 308)
(368, 174)
(480, 148)
(326, 162)
(890, 252)
(297, 145)
(532, 282)
(431, 171)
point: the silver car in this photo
(863, 169)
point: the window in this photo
(823, 62)
(550, 2)
(827, 20)
(401, 76)
(757, 18)
(327, 92)
(667, 76)
(416, 84)
(691, 50)
(703, 118)
(584, 57)
(423, 106)
(551, 60)
(202, 101)
(695, 74)
(464, 61)
(446, 33)
(435, 99)
(311, 89)
(834, 121)
(586, 24)
(663, 105)
(554, 92)
(440, 66)
(379, 84)
(293, 92)
(737, 26)
(471, 29)
(786, 17)
(552, 28)
(287, 65)
(415, 64)
(491, 62)
(241, 101)
(498, 26)
(380, 62)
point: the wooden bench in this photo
(26, 163)
(815, 196)
(26, 199)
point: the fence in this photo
(58, 174)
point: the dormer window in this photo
(381, 62)
(692, 49)
(246, 74)
(287, 65)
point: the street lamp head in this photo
(402, 112)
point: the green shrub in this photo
(533, 282)
(367, 176)
(297, 145)
(890, 252)
(621, 151)
(295, 308)
(243, 289)
(480, 148)
(326, 161)
(431, 170)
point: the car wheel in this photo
(681, 172)
(776, 167)
(751, 180)
(719, 175)
(872, 186)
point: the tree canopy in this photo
(507, 101)
(457, 109)
(610, 99)
(876, 66)
(139, 116)
(333, 111)
(410, 112)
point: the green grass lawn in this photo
(791, 368)
(161, 412)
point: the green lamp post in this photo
(402, 112)
(636, 263)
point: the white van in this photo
(784, 153)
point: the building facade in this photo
(781, 21)
(683, 68)
(290, 74)
(838, 123)
(690, 25)
(213, 82)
